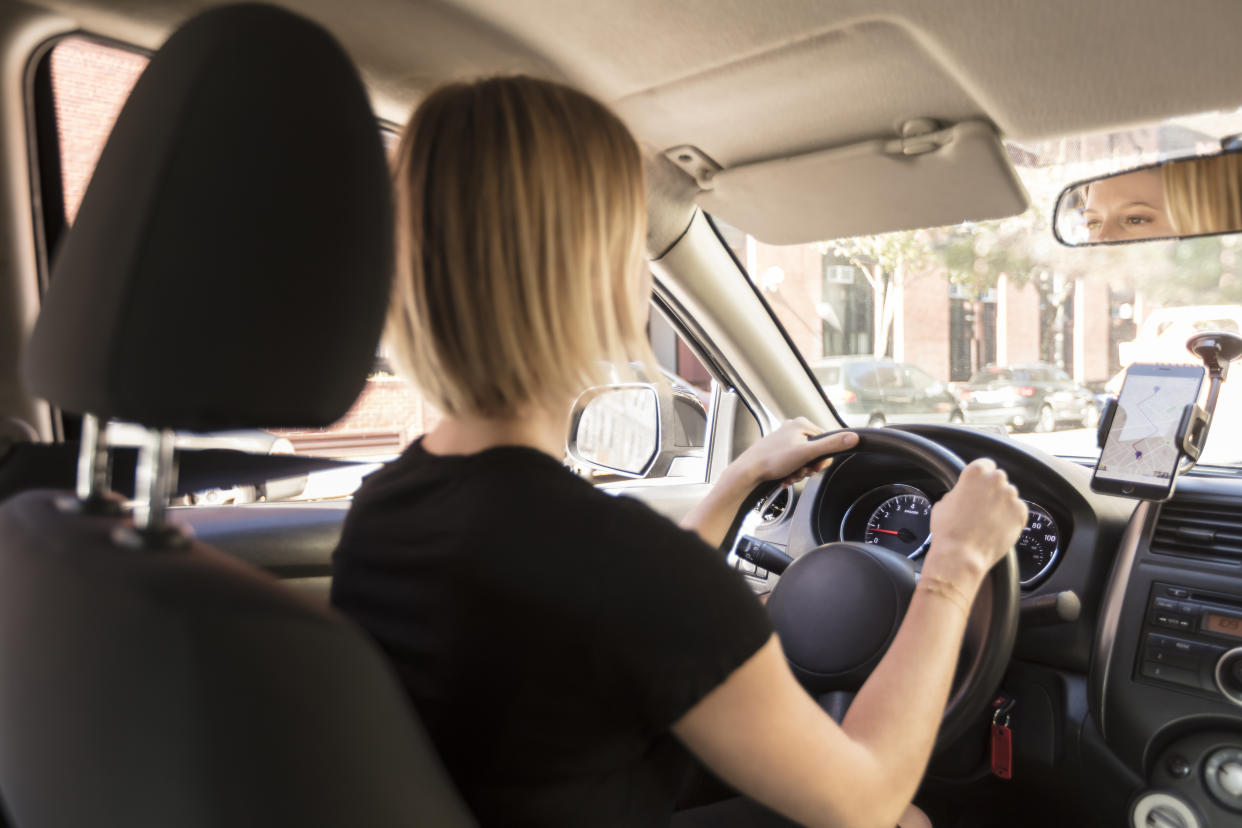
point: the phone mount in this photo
(1216, 349)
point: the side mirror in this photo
(638, 430)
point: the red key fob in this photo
(1002, 750)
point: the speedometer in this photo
(900, 523)
(1038, 546)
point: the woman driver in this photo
(565, 648)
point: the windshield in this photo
(998, 325)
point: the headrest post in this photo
(92, 460)
(93, 495)
(155, 482)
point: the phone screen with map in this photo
(1141, 452)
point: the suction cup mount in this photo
(1216, 349)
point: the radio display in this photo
(1230, 625)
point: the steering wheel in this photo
(838, 607)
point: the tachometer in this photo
(900, 523)
(1038, 546)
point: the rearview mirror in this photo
(1175, 199)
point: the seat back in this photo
(239, 213)
(183, 687)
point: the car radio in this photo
(1193, 638)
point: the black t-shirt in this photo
(548, 633)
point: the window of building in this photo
(847, 308)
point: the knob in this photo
(1160, 809)
(1229, 776)
(1223, 774)
(1229, 675)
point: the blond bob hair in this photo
(1204, 195)
(521, 231)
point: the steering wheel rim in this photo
(999, 625)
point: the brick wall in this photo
(388, 413)
(794, 301)
(924, 324)
(1017, 322)
(90, 83)
(1091, 325)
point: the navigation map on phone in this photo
(1142, 444)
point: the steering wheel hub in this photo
(837, 608)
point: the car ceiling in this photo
(748, 81)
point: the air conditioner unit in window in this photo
(839, 274)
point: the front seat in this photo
(229, 269)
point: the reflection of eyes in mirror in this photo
(1126, 207)
(1189, 197)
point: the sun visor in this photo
(957, 174)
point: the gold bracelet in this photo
(934, 587)
(947, 584)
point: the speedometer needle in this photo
(887, 531)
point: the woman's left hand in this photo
(789, 454)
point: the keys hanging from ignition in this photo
(1002, 738)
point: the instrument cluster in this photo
(898, 517)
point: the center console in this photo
(1192, 638)
(1167, 678)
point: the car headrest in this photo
(230, 263)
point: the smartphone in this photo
(1142, 451)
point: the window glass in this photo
(888, 375)
(954, 301)
(827, 374)
(90, 83)
(919, 378)
(863, 375)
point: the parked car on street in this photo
(867, 391)
(1032, 397)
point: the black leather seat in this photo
(229, 268)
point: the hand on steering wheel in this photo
(839, 605)
(795, 451)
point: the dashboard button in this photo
(1177, 592)
(1171, 621)
(1160, 642)
(1179, 767)
(1172, 658)
(1165, 604)
(1175, 675)
(1188, 609)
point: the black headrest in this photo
(230, 263)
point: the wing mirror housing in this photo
(638, 430)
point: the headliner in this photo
(747, 81)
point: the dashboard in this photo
(1138, 700)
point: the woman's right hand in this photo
(974, 525)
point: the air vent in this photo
(772, 509)
(1199, 529)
